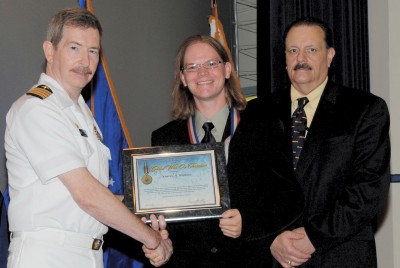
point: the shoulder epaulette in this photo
(40, 92)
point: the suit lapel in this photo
(324, 125)
(284, 111)
(227, 130)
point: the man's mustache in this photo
(302, 66)
(82, 70)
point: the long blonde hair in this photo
(183, 105)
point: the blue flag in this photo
(82, 3)
(4, 235)
(105, 108)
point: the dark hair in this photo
(311, 21)
(76, 17)
(183, 105)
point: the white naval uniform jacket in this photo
(44, 138)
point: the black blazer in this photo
(262, 187)
(344, 172)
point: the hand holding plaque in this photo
(185, 182)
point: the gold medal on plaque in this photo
(146, 179)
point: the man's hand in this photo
(304, 244)
(284, 251)
(231, 223)
(161, 254)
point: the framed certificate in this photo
(183, 182)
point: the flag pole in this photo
(103, 60)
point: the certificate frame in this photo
(182, 182)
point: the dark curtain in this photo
(349, 22)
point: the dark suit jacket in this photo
(344, 172)
(262, 187)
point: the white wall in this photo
(385, 80)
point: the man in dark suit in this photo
(343, 164)
(265, 198)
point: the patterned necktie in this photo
(208, 136)
(299, 127)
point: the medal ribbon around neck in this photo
(194, 139)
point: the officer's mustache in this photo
(82, 70)
(301, 66)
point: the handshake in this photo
(163, 251)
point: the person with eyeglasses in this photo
(264, 195)
(60, 206)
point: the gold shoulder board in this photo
(40, 92)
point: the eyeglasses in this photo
(194, 67)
